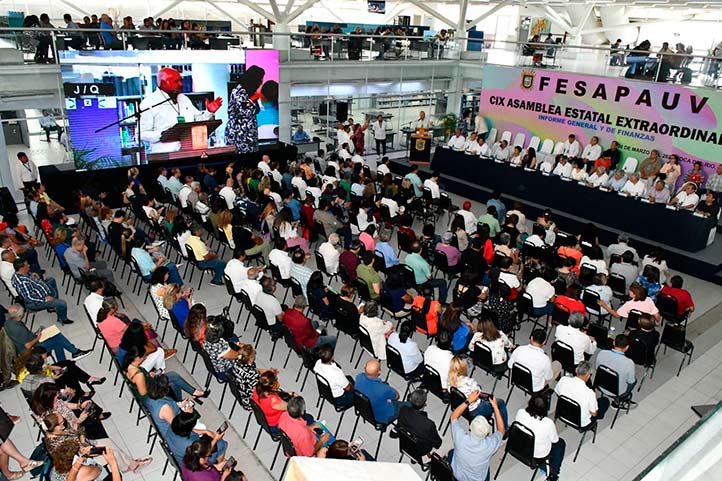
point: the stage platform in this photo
(705, 264)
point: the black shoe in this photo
(105, 415)
(98, 382)
(394, 434)
(80, 353)
(219, 283)
(67, 321)
(553, 477)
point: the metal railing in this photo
(42, 45)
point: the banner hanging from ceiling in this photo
(640, 116)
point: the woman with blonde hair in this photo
(225, 223)
(460, 379)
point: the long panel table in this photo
(656, 223)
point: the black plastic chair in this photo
(569, 412)
(456, 399)
(440, 469)
(675, 337)
(237, 396)
(560, 315)
(408, 446)
(221, 377)
(276, 274)
(396, 365)
(326, 395)
(668, 306)
(232, 294)
(618, 284)
(564, 353)
(525, 310)
(321, 266)
(482, 358)
(591, 303)
(600, 334)
(347, 322)
(520, 444)
(193, 260)
(520, 377)
(606, 380)
(633, 320)
(638, 352)
(288, 449)
(364, 410)
(366, 345)
(432, 383)
(263, 426)
(262, 325)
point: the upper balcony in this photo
(300, 50)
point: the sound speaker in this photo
(341, 111)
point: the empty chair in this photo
(506, 135)
(491, 137)
(546, 147)
(519, 140)
(558, 148)
(534, 143)
(630, 165)
(675, 337)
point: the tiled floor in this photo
(662, 415)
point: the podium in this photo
(420, 148)
(193, 137)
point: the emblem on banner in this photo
(527, 79)
(420, 144)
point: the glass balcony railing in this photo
(696, 455)
(42, 45)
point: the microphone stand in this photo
(136, 115)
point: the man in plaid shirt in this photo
(38, 294)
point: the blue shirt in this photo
(421, 268)
(458, 341)
(181, 310)
(144, 261)
(108, 37)
(416, 182)
(389, 253)
(300, 136)
(500, 208)
(287, 178)
(154, 407)
(295, 207)
(381, 395)
(60, 250)
(470, 461)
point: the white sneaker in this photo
(158, 243)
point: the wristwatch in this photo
(467, 402)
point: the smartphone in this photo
(97, 450)
(318, 431)
(223, 427)
(485, 395)
(230, 463)
(234, 346)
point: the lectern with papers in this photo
(193, 137)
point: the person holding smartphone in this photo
(197, 466)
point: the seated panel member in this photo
(457, 141)
(472, 145)
(572, 147)
(502, 152)
(634, 187)
(592, 151)
(686, 198)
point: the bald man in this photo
(384, 399)
(177, 108)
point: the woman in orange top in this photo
(570, 300)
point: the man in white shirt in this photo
(457, 141)
(228, 194)
(27, 171)
(163, 178)
(484, 150)
(341, 386)
(469, 217)
(94, 301)
(422, 122)
(634, 187)
(572, 148)
(379, 130)
(621, 247)
(265, 165)
(7, 271)
(502, 151)
(270, 305)
(185, 191)
(345, 151)
(438, 356)
(279, 257)
(542, 292)
(599, 177)
(533, 357)
(357, 158)
(592, 151)
(563, 167)
(384, 166)
(686, 198)
(236, 269)
(300, 184)
(573, 336)
(538, 233)
(177, 108)
(343, 136)
(174, 182)
(472, 145)
(330, 254)
(576, 389)
(432, 183)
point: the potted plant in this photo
(449, 121)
